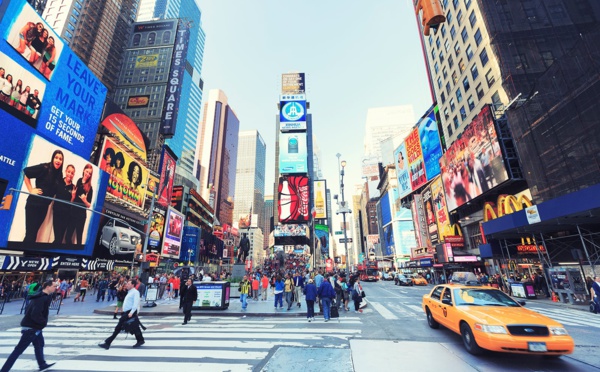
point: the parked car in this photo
(387, 276)
(487, 318)
(402, 279)
(119, 238)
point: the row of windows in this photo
(151, 38)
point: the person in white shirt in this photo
(131, 305)
(6, 88)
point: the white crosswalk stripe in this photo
(206, 344)
(570, 317)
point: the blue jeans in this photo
(244, 299)
(279, 298)
(326, 307)
(27, 337)
(310, 309)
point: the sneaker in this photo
(138, 344)
(309, 320)
(47, 366)
(104, 345)
(326, 320)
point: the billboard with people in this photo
(173, 234)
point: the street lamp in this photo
(343, 208)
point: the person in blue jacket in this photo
(310, 294)
(326, 293)
(279, 287)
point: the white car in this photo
(119, 238)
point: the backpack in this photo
(33, 288)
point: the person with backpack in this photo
(345, 292)
(102, 287)
(326, 293)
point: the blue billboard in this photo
(292, 114)
(293, 153)
(190, 243)
(430, 144)
(388, 246)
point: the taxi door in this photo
(434, 303)
(449, 316)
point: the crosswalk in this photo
(205, 344)
(570, 317)
(393, 310)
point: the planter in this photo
(234, 290)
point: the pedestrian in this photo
(189, 297)
(121, 294)
(102, 287)
(162, 285)
(264, 281)
(83, 286)
(64, 286)
(131, 305)
(326, 293)
(289, 291)
(345, 293)
(278, 291)
(318, 280)
(182, 291)
(298, 287)
(176, 286)
(244, 291)
(112, 289)
(596, 294)
(357, 295)
(255, 288)
(310, 295)
(34, 321)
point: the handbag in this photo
(362, 294)
(131, 325)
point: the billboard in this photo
(146, 60)
(293, 199)
(126, 175)
(290, 230)
(473, 163)
(139, 101)
(175, 81)
(190, 243)
(292, 83)
(157, 228)
(416, 166)
(430, 144)
(293, 153)
(404, 184)
(124, 129)
(432, 228)
(372, 244)
(439, 208)
(167, 176)
(320, 187)
(292, 112)
(388, 245)
(173, 234)
(322, 233)
(246, 221)
(120, 236)
(48, 170)
(177, 198)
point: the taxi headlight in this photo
(498, 329)
(558, 331)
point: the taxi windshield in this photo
(482, 297)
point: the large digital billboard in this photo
(430, 144)
(404, 184)
(120, 236)
(40, 224)
(293, 153)
(124, 129)
(293, 199)
(167, 176)
(320, 187)
(416, 166)
(440, 209)
(290, 230)
(322, 233)
(432, 228)
(292, 83)
(292, 112)
(473, 164)
(173, 234)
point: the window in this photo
(433, 54)
(466, 84)
(464, 35)
(469, 53)
(454, 77)
(68, 35)
(478, 37)
(129, 73)
(448, 88)
(152, 112)
(483, 57)
(455, 3)
(467, 4)
(472, 18)
(458, 96)
(456, 49)
(471, 103)
(445, 3)
(443, 30)
(456, 122)
(430, 40)
(151, 38)
(441, 56)
(77, 5)
(153, 104)
(521, 61)
(463, 113)
(452, 32)
(452, 105)
(436, 67)
(144, 71)
(474, 72)
(71, 27)
(479, 90)
(136, 113)
(445, 72)
(446, 114)
(489, 77)
(447, 45)
(438, 42)
(166, 37)
(76, 12)
(158, 77)
(443, 97)
(136, 39)
(459, 17)
(461, 65)
(73, 20)
(449, 130)
(496, 99)
(547, 58)
(439, 82)
(449, 17)
(531, 14)
(450, 61)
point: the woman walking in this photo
(357, 292)
(310, 295)
(279, 287)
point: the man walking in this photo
(596, 293)
(326, 293)
(130, 310)
(190, 295)
(244, 291)
(34, 321)
(264, 282)
(102, 287)
(298, 287)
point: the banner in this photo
(372, 244)
(246, 221)
(290, 230)
(174, 232)
(415, 160)
(320, 187)
(430, 144)
(432, 228)
(388, 245)
(322, 233)
(404, 183)
(293, 199)
(167, 176)
(439, 208)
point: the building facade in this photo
(383, 123)
(266, 223)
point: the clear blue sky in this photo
(356, 54)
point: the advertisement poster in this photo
(416, 167)
(190, 243)
(157, 228)
(126, 174)
(44, 225)
(372, 245)
(430, 145)
(173, 234)
(404, 183)
(290, 230)
(292, 83)
(68, 111)
(439, 208)
(473, 164)
(119, 237)
(246, 221)
(432, 228)
(388, 246)
(322, 233)
(126, 130)
(167, 176)
(319, 199)
(177, 198)
(292, 153)
(292, 114)
(175, 81)
(293, 199)
(209, 295)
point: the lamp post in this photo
(343, 209)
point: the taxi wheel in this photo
(432, 323)
(469, 340)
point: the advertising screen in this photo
(190, 243)
(177, 198)
(293, 199)
(246, 221)
(167, 176)
(416, 167)
(432, 228)
(292, 153)
(126, 130)
(126, 175)
(292, 83)
(322, 233)
(372, 244)
(404, 184)
(430, 144)
(120, 236)
(290, 230)
(440, 209)
(320, 187)
(172, 236)
(292, 114)
(388, 244)
(473, 164)
(157, 228)
(40, 224)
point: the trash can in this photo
(212, 296)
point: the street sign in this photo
(339, 233)
(347, 240)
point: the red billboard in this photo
(168, 162)
(293, 199)
(416, 166)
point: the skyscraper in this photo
(383, 123)
(250, 175)
(97, 31)
(218, 155)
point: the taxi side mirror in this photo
(522, 302)
(446, 301)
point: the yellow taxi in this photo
(486, 318)
(417, 279)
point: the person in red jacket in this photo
(176, 286)
(255, 288)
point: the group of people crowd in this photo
(15, 94)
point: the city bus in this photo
(368, 271)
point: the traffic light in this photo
(6, 202)
(432, 16)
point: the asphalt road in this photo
(394, 313)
